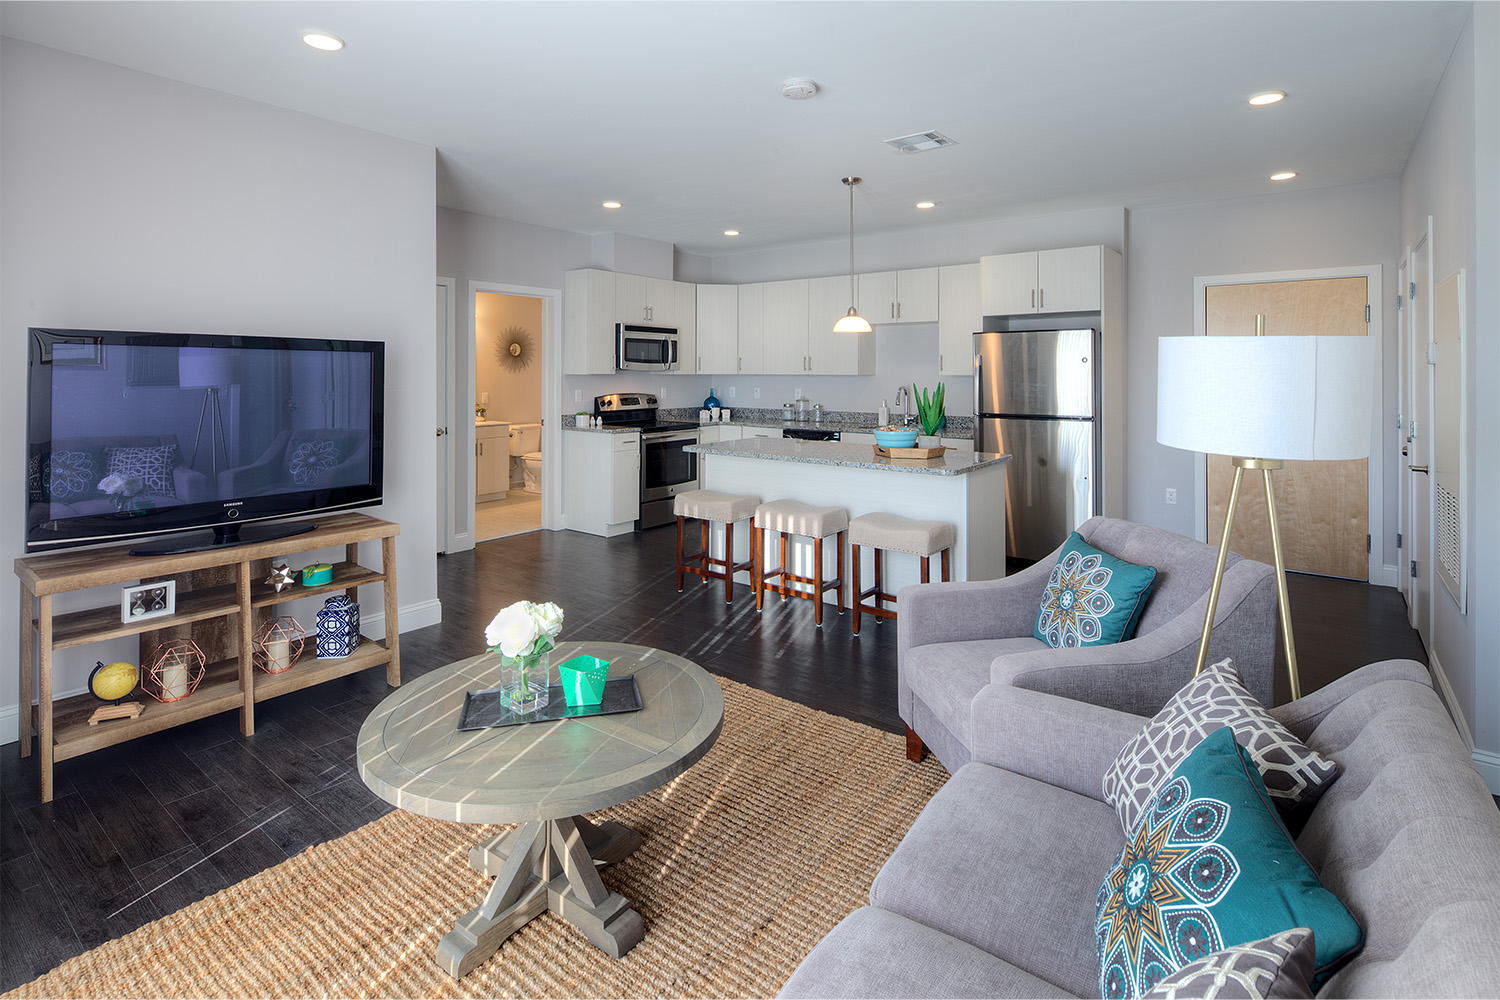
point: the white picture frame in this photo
(144, 601)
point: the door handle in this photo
(441, 431)
(1418, 468)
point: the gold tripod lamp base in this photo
(1266, 467)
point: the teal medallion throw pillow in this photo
(1210, 866)
(1092, 598)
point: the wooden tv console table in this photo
(221, 600)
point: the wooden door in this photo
(1323, 506)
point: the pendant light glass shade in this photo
(852, 322)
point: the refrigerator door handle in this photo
(978, 377)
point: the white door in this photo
(443, 327)
(1403, 416)
(1419, 448)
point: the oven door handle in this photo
(667, 436)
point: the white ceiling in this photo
(541, 111)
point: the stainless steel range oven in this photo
(667, 468)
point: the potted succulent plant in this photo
(930, 414)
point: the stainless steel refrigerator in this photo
(1037, 397)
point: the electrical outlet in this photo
(797, 392)
(577, 395)
(484, 398)
(731, 392)
(757, 392)
(1171, 495)
(661, 393)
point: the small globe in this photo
(113, 681)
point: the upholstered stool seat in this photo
(892, 533)
(792, 517)
(711, 506)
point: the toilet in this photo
(526, 457)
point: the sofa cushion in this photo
(876, 953)
(948, 675)
(1279, 967)
(1293, 773)
(1092, 598)
(1210, 865)
(152, 465)
(1010, 865)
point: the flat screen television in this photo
(202, 439)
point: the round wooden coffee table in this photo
(543, 776)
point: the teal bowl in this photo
(896, 439)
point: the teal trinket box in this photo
(317, 573)
(583, 680)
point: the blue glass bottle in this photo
(712, 402)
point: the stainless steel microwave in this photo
(645, 348)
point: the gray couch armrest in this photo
(1139, 675)
(1063, 742)
(1301, 717)
(977, 609)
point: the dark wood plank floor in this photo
(140, 830)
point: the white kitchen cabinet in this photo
(589, 322)
(907, 296)
(730, 432)
(685, 313)
(718, 322)
(959, 318)
(750, 349)
(773, 327)
(639, 299)
(1042, 281)
(491, 460)
(610, 511)
(830, 353)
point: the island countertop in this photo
(849, 456)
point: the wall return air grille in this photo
(920, 142)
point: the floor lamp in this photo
(1264, 401)
(209, 370)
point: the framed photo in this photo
(148, 600)
(89, 352)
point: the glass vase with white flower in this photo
(524, 634)
(122, 488)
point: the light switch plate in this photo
(148, 600)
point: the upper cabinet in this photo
(959, 318)
(685, 315)
(909, 296)
(1042, 281)
(718, 318)
(645, 300)
(830, 353)
(773, 327)
(589, 322)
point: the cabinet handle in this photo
(898, 310)
(893, 310)
(1033, 298)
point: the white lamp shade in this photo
(1292, 398)
(199, 367)
(852, 323)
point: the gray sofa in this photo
(993, 890)
(960, 644)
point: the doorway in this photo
(509, 410)
(1330, 511)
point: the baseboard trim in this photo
(1388, 577)
(1489, 768)
(413, 616)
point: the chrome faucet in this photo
(903, 400)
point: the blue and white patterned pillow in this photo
(1092, 598)
(72, 475)
(152, 465)
(311, 459)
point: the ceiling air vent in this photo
(919, 142)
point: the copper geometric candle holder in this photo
(175, 670)
(278, 643)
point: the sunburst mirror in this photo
(514, 350)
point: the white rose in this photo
(513, 630)
(549, 618)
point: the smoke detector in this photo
(798, 90)
(920, 142)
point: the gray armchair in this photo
(956, 641)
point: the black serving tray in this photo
(486, 709)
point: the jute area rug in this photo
(750, 858)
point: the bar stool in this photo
(792, 517)
(891, 533)
(725, 509)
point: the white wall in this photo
(1452, 175)
(133, 202)
(1289, 230)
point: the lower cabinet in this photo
(612, 510)
(491, 461)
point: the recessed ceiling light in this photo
(731, 232)
(611, 204)
(927, 204)
(1268, 97)
(1284, 175)
(323, 41)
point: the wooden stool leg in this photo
(858, 589)
(926, 569)
(838, 591)
(782, 579)
(947, 570)
(703, 562)
(818, 587)
(680, 574)
(729, 562)
(879, 582)
(757, 556)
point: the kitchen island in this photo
(965, 488)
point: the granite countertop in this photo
(849, 456)
(834, 420)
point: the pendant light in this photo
(852, 322)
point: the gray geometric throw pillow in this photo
(152, 465)
(1294, 774)
(1279, 967)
